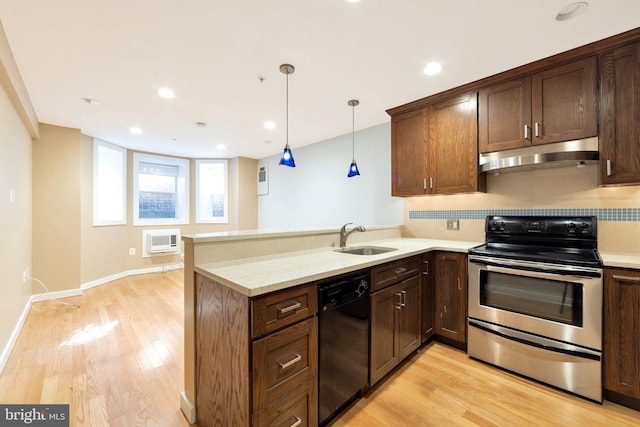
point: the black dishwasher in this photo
(343, 343)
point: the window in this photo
(109, 184)
(211, 191)
(160, 190)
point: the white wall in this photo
(317, 192)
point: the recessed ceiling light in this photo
(135, 130)
(165, 92)
(221, 147)
(432, 68)
(571, 10)
(90, 101)
(269, 125)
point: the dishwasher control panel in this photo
(342, 291)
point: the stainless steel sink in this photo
(365, 250)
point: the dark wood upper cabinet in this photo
(620, 116)
(434, 150)
(453, 146)
(564, 100)
(558, 104)
(503, 113)
(408, 153)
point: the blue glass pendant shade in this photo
(287, 157)
(353, 169)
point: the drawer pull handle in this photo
(403, 299)
(283, 310)
(537, 128)
(630, 278)
(297, 423)
(291, 362)
(609, 168)
(400, 270)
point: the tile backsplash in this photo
(603, 214)
(566, 191)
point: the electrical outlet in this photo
(25, 275)
(12, 195)
(453, 224)
(132, 251)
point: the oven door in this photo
(560, 302)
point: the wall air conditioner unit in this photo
(160, 242)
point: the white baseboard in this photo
(117, 276)
(8, 348)
(187, 408)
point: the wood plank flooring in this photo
(118, 361)
(442, 386)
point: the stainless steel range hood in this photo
(569, 153)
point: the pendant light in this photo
(353, 169)
(287, 157)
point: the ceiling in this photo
(222, 60)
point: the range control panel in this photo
(544, 226)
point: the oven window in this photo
(558, 301)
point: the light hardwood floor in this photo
(118, 361)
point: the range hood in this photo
(568, 153)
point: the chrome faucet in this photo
(344, 234)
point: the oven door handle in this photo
(535, 340)
(537, 268)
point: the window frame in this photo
(211, 220)
(182, 190)
(97, 222)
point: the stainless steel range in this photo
(535, 300)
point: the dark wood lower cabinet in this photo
(622, 336)
(396, 326)
(451, 298)
(428, 303)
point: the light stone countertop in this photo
(624, 260)
(264, 274)
(260, 275)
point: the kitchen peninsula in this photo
(230, 281)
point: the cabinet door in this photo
(384, 348)
(408, 153)
(622, 332)
(564, 102)
(620, 116)
(428, 303)
(453, 146)
(451, 296)
(409, 317)
(504, 116)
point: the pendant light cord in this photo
(353, 132)
(287, 112)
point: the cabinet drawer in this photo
(284, 360)
(275, 311)
(300, 409)
(393, 272)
